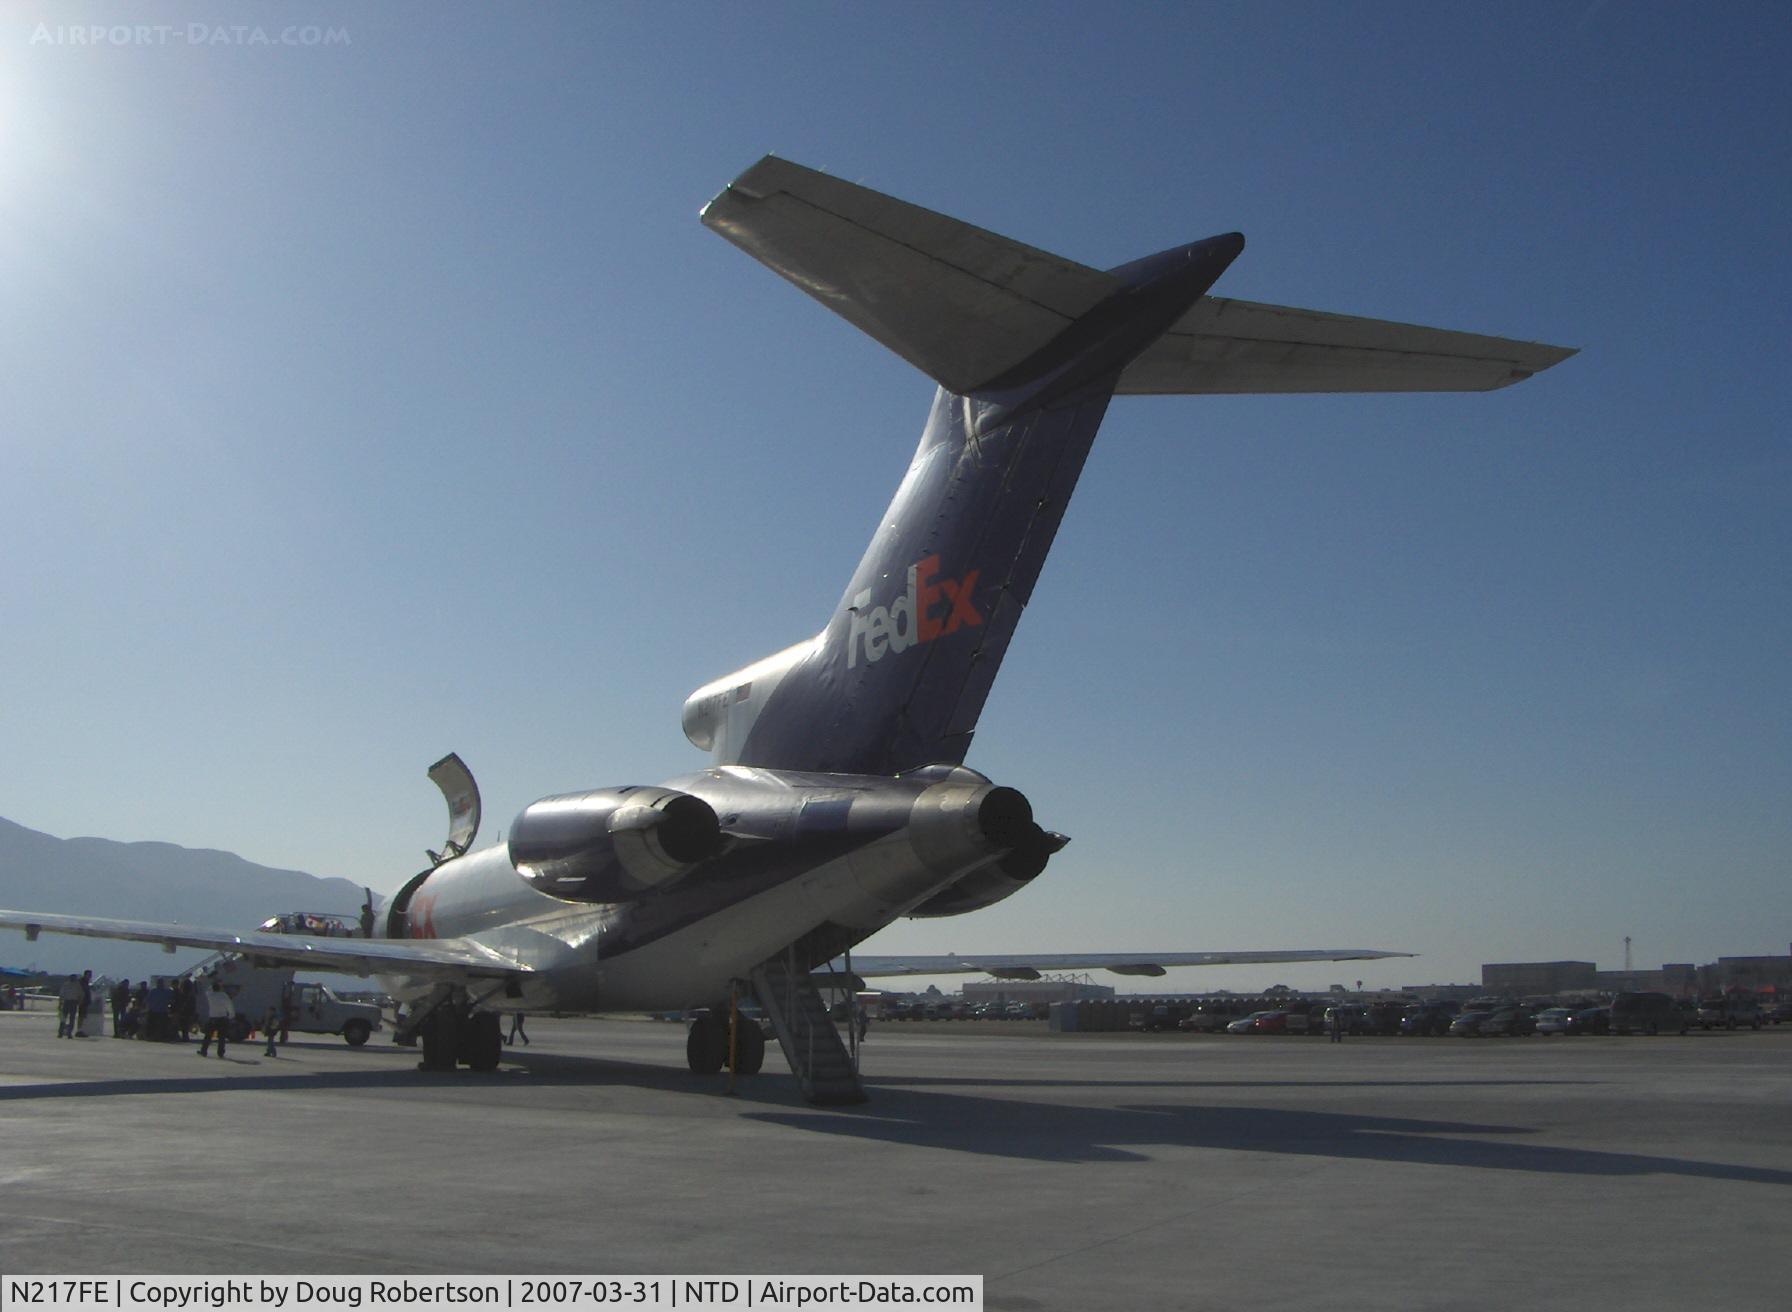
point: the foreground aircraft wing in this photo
(1030, 965)
(1224, 345)
(446, 958)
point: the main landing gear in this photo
(453, 1034)
(706, 1047)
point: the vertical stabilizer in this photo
(1027, 348)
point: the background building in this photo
(1522, 978)
(1757, 974)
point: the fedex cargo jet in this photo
(837, 799)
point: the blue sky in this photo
(374, 399)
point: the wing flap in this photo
(961, 304)
(447, 957)
(1230, 346)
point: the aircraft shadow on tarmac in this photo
(1058, 1133)
(941, 1080)
(1005, 1127)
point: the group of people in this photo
(161, 1011)
(158, 1011)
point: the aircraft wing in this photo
(1224, 345)
(446, 958)
(1031, 965)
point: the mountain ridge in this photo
(143, 880)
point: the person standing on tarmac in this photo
(86, 1004)
(215, 1012)
(158, 1007)
(185, 1008)
(270, 1023)
(1334, 1023)
(121, 999)
(68, 995)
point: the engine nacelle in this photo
(1003, 877)
(612, 844)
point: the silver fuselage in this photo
(835, 855)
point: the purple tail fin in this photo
(899, 676)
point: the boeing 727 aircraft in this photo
(838, 799)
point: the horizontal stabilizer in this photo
(961, 304)
(1224, 345)
(1013, 965)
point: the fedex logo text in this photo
(928, 610)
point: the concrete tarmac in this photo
(1071, 1171)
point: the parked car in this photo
(1298, 1019)
(1648, 1013)
(1554, 1020)
(1508, 1023)
(1430, 1019)
(1355, 1018)
(1159, 1018)
(1727, 1011)
(1468, 1024)
(1384, 1017)
(1782, 1011)
(1203, 1021)
(1591, 1020)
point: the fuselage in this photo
(819, 861)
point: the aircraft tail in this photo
(1027, 349)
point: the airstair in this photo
(824, 1068)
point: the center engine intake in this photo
(612, 844)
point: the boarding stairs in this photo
(824, 1068)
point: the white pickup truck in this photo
(310, 1008)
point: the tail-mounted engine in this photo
(612, 844)
(1029, 848)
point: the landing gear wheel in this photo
(239, 1029)
(706, 1047)
(484, 1041)
(441, 1039)
(749, 1047)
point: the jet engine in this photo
(1003, 877)
(612, 844)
